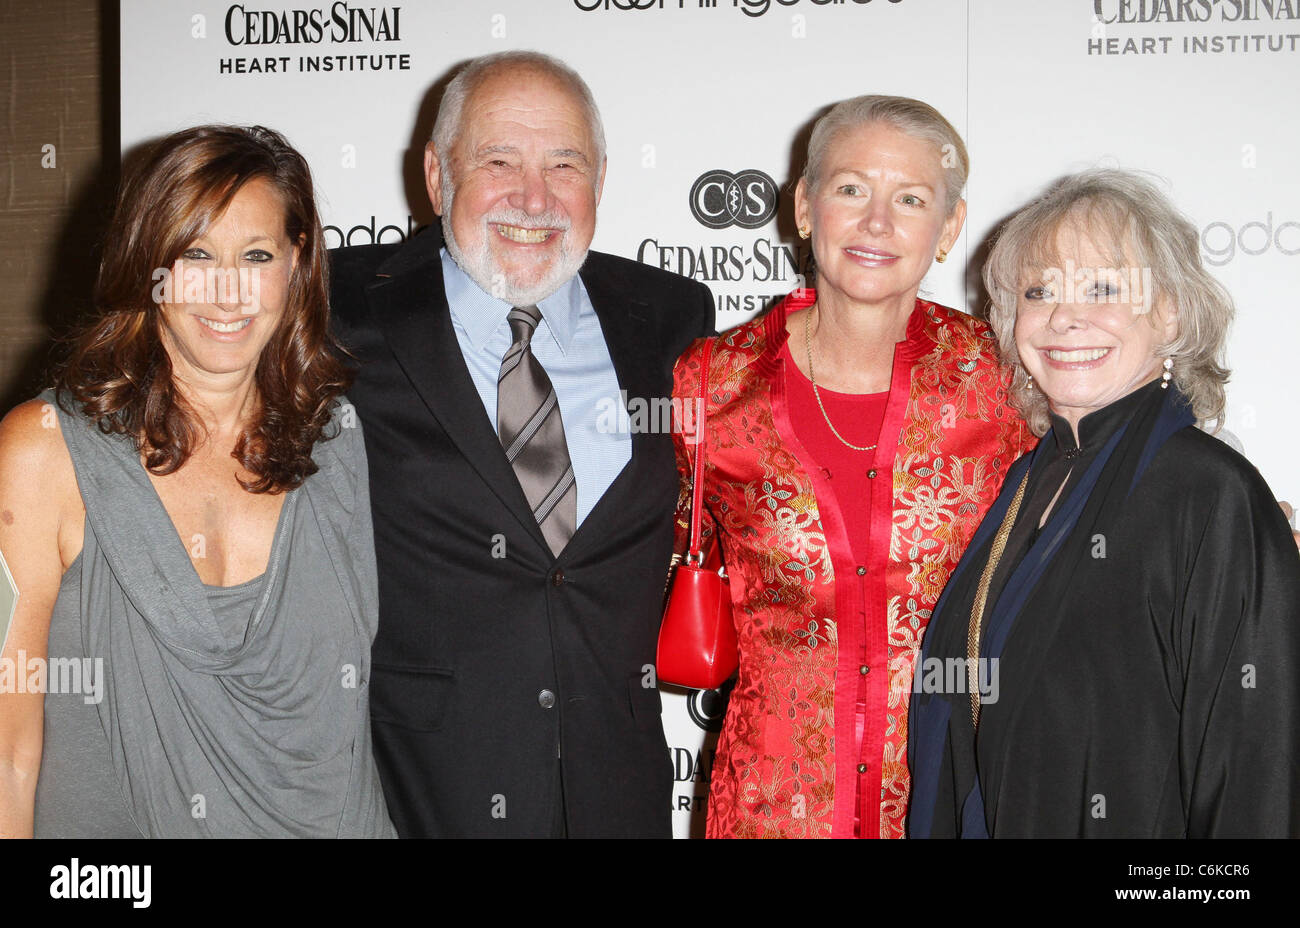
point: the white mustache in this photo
(522, 220)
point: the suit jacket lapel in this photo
(624, 319)
(409, 305)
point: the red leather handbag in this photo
(697, 640)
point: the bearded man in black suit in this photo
(522, 533)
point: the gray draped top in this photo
(210, 711)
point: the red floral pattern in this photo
(775, 770)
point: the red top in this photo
(857, 417)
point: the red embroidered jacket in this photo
(951, 433)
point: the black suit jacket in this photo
(499, 681)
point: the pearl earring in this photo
(1168, 374)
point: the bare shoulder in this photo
(32, 449)
(40, 536)
(37, 478)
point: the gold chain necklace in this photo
(807, 341)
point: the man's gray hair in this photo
(1130, 218)
(911, 117)
(469, 78)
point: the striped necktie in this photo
(530, 429)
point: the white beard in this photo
(482, 268)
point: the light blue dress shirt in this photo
(571, 348)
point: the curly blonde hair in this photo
(1139, 226)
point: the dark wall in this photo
(54, 58)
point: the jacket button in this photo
(546, 699)
(872, 473)
(862, 768)
(864, 670)
(861, 571)
(557, 578)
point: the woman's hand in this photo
(1289, 512)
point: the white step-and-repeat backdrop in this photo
(1199, 92)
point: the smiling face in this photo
(229, 288)
(877, 216)
(518, 191)
(1088, 332)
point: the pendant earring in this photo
(1029, 381)
(1168, 375)
(942, 256)
(804, 232)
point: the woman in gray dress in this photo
(186, 517)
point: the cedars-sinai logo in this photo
(720, 199)
(707, 708)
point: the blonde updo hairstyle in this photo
(911, 117)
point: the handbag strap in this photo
(701, 438)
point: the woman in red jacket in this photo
(855, 437)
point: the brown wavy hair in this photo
(116, 368)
